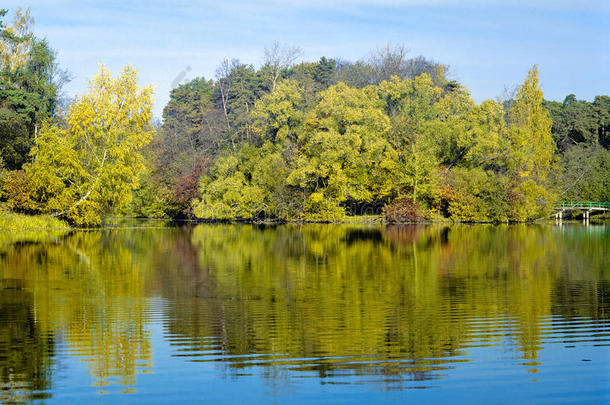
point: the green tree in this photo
(231, 192)
(585, 174)
(250, 182)
(183, 147)
(412, 105)
(29, 86)
(601, 105)
(238, 86)
(475, 195)
(574, 122)
(279, 115)
(344, 153)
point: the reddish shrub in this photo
(187, 186)
(402, 210)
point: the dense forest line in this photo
(308, 141)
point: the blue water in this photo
(310, 314)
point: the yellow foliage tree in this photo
(16, 41)
(532, 151)
(90, 167)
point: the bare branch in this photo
(279, 58)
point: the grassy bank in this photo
(17, 228)
(10, 221)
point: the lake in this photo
(147, 313)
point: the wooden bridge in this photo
(585, 206)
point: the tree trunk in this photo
(87, 194)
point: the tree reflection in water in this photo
(397, 305)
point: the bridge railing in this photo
(584, 204)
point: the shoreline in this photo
(11, 222)
(355, 220)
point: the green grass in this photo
(10, 221)
(19, 228)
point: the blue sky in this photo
(488, 44)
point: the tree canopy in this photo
(404, 138)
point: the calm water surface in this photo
(307, 314)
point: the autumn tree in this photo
(532, 151)
(89, 168)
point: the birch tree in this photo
(224, 82)
(90, 167)
(16, 41)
